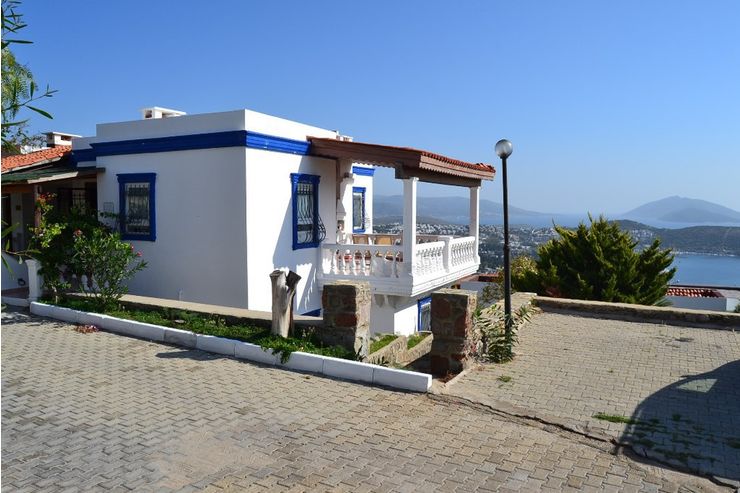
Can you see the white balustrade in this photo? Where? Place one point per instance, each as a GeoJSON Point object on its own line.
{"type": "Point", "coordinates": [462, 251]}
{"type": "Point", "coordinates": [434, 256]}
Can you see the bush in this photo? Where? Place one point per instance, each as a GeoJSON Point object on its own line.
{"type": "Point", "coordinates": [70, 246]}
{"type": "Point", "coordinates": [491, 342]}
{"type": "Point", "coordinates": [107, 262]}
{"type": "Point", "coordinates": [599, 262]}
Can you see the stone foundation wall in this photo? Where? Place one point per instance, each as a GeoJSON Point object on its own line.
{"type": "Point", "coordinates": [346, 312]}
{"type": "Point", "coordinates": [452, 326]}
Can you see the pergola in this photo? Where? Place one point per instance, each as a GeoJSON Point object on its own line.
{"type": "Point", "coordinates": [411, 166]}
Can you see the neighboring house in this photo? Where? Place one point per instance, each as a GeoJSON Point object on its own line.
{"type": "Point", "coordinates": [215, 202]}
{"type": "Point", "coordinates": [704, 298]}
{"type": "Point", "coordinates": [25, 177]}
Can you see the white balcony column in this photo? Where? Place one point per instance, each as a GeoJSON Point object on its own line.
{"type": "Point", "coordinates": [409, 222]}
{"type": "Point", "coordinates": [345, 180]}
{"type": "Point", "coordinates": [474, 225]}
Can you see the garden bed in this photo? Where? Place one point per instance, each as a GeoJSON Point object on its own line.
{"type": "Point", "coordinates": [214, 325]}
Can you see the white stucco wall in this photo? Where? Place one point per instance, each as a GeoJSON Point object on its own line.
{"type": "Point", "coordinates": [270, 224]}
{"type": "Point", "coordinates": [200, 250]}
{"type": "Point", "coordinates": [714, 304]}
{"type": "Point", "coordinates": [393, 314]}
{"type": "Point", "coordinates": [19, 271]}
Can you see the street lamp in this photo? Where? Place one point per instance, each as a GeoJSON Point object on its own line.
{"type": "Point", "coordinates": [504, 150]}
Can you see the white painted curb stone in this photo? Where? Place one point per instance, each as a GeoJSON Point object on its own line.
{"type": "Point", "coordinates": [253, 352]}
{"type": "Point", "coordinates": [402, 379]}
{"type": "Point", "coordinates": [65, 314]}
{"type": "Point", "coordinates": [314, 363]}
{"type": "Point", "coordinates": [135, 329]}
{"type": "Point", "coordinates": [41, 309]}
{"type": "Point", "coordinates": [215, 344]}
{"type": "Point", "coordinates": [179, 337]}
{"type": "Point", "coordinates": [95, 319]}
{"type": "Point", "coordinates": [351, 370]}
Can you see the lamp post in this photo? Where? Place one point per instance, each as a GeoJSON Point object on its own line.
{"type": "Point", "coordinates": [504, 150]}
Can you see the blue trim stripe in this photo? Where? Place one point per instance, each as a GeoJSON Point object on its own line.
{"type": "Point", "coordinates": [313, 313]}
{"type": "Point", "coordinates": [362, 171]}
{"type": "Point", "coordinates": [233, 138]}
{"type": "Point", "coordinates": [82, 155]}
{"type": "Point", "coordinates": [167, 144]}
{"type": "Point", "coordinates": [279, 144]}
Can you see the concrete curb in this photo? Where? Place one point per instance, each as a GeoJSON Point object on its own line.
{"type": "Point", "coordinates": [314, 363]}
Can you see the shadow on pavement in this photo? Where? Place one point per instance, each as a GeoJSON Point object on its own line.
{"type": "Point", "coordinates": [194, 354]}
{"type": "Point", "coordinates": [693, 423]}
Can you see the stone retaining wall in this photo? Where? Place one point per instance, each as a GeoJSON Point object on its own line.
{"type": "Point", "coordinates": [346, 311]}
{"type": "Point", "coordinates": [641, 313]}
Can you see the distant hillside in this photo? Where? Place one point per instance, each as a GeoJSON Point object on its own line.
{"type": "Point", "coordinates": [719, 240]}
{"type": "Point", "coordinates": [454, 210]}
{"type": "Point", "coordinates": [683, 210]}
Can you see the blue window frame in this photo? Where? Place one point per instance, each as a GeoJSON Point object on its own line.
{"type": "Point", "coordinates": [424, 319]}
{"type": "Point", "coordinates": [305, 200]}
{"type": "Point", "coordinates": [136, 203]}
{"type": "Point", "coordinates": [358, 209]}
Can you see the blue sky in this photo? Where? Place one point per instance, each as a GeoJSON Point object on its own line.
{"type": "Point", "coordinates": [608, 104]}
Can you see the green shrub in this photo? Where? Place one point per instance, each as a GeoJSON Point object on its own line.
{"type": "Point", "coordinates": [107, 261]}
{"type": "Point", "coordinates": [414, 340]}
{"type": "Point", "coordinates": [378, 344]}
{"type": "Point", "coordinates": [491, 341]}
{"type": "Point", "coordinates": [598, 262]}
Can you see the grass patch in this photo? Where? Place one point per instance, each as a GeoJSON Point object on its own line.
{"type": "Point", "coordinates": [414, 340]}
{"type": "Point", "coordinates": [504, 378]}
{"type": "Point", "coordinates": [216, 325]}
{"type": "Point", "coordinates": [676, 417]}
{"type": "Point", "coordinates": [615, 418]}
{"type": "Point", "coordinates": [379, 344]}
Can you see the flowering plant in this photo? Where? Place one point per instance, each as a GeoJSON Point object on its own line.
{"type": "Point", "coordinates": [108, 262]}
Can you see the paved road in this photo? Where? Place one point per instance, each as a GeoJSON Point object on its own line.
{"type": "Point", "coordinates": [100, 411]}
{"type": "Point", "coordinates": [680, 386]}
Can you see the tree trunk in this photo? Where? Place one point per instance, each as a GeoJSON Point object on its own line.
{"type": "Point", "coordinates": [284, 283]}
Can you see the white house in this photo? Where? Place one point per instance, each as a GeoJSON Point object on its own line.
{"type": "Point", "coordinates": [215, 202]}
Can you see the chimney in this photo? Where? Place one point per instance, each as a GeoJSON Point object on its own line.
{"type": "Point", "coordinates": [156, 112]}
{"type": "Point", "coordinates": [56, 139]}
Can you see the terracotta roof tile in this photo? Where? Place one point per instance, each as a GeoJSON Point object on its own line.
{"type": "Point", "coordinates": [37, 157]}
{"type": "Point", "coordinates": [693, 292]}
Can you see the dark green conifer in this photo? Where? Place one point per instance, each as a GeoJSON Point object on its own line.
{"type": "Point", "coordinates": [599, 262]}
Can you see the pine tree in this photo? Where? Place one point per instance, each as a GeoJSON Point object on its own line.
{"type": "Point", "coordinates": [599, 262]}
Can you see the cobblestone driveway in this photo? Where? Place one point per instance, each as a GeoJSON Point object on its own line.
{"type": "Point", "coordinates": [105, 412]}
{"type": "Point", "coordinates": [679, 387]}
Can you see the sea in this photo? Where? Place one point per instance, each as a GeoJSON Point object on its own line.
{"type": "Point", "coordinates": [707, 270]}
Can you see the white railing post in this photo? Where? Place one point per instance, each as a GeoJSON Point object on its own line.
{"type": "Point", "coordinates": [447, 254]}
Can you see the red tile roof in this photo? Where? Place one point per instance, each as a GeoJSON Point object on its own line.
{"type": "Point", "coordinates": [395, 157]}
{"type": "Point", "coordinates": [693, 292]}
{"type": "Point", "coordinates": [37, 157]}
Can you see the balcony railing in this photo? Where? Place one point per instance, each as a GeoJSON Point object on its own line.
{"type": "Point", "coordinates": [437, 260]}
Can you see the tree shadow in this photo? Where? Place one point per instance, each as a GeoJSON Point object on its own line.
{"type": "Point", "coordinates": [693, 423]}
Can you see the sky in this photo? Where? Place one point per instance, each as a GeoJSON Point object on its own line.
{"type": "Point", "coordinates": [608, 104]}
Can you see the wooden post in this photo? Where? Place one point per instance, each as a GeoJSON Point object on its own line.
{"type": "Point", "coordinates": [284, 283]}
